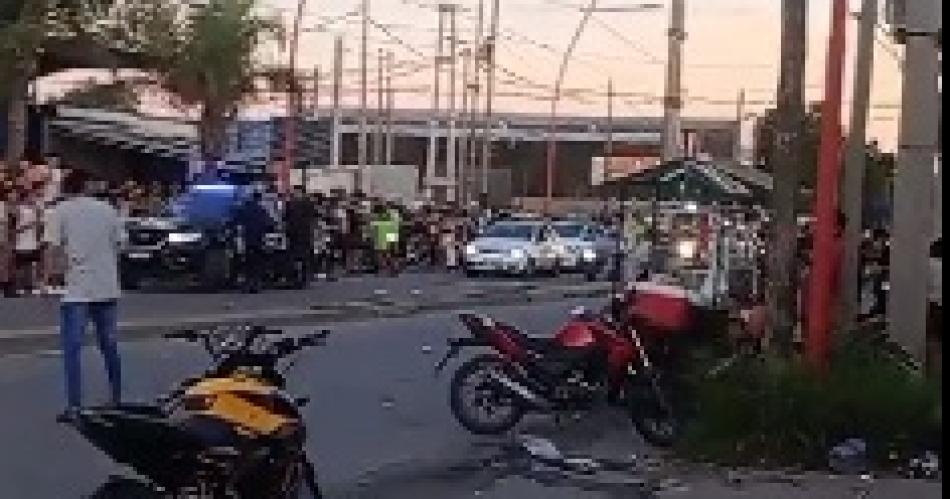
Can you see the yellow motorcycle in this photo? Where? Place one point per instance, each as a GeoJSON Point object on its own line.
{"type": "Point", "coordinates": [232, 432]}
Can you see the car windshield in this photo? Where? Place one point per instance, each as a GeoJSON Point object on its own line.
{"type": "Point", "coordinates": [569, 231]}
{"type": "Point", "coordinates": [511, 231]}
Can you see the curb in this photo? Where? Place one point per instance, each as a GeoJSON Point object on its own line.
{"type": "Point", "coordinates": [352, 310]}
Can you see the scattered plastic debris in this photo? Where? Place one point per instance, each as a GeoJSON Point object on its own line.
{"type": "Point", "coordinates": [926, 466]}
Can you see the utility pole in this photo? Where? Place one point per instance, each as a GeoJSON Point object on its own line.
{"type": "Point", "coordinates": [490, 90]}
{"type": "Point", "coordinates": [476, 97]}
{"type": "Point", "coordinates": [461, 186]}
{"type": "Point", "coordinates": [786, 159]}
{"type": "Point", "coordinates": [913, 186]}
{"type": "Point", "coordinates": [740, 118]}
{"type": "Point", "coordinates": [608, 159]}
{"type": "Point", "coordinates": [821, 296]}
{"type": "Point", "coordinates": [853, 203]}
{"type": "Point", "coordinates": [673, 98]}
{"type": "Point", "coordinates": [434, 120]}
{"type": "Point", "coordinates": [337, 80]}
{"type": "Point", "coordinates": [378, 135]}
{"type": "Point", "coordinates": [450, 148]}
{"type": "Point", "coordinates": [389, 108]}
{"type": "Point", "coordinates": [316, 90]}
{"type": "Point", "coordinates": [363, 77]}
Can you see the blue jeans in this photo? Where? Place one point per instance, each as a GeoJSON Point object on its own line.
{"type": "Point", "coordinates": [73, 319]}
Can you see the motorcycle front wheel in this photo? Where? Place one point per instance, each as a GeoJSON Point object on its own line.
{"type": "Point", "coordinates": [652, 411]}
{"type": "Point", "coordinates": [477, 403]}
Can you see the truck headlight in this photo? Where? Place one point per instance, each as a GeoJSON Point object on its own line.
{"type": "Point", "coordinates": [184, 237]}
{"type": "Point", "coordinates": [517, 253]}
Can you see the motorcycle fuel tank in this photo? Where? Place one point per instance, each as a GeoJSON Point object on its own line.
{"type": "Point", "coordinates": [577, 333]}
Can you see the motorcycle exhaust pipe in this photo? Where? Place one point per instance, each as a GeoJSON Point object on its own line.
{"type": "Point", "coordinates": [518, 390]}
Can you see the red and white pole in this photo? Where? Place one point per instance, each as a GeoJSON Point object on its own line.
{"type": "Point", "coordinates": [825, 250]}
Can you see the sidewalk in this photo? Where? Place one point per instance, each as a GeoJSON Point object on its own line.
{"type": "Point", "coordinates": [812, 486]}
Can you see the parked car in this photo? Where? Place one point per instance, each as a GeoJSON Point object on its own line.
{"type": "Point", "coordinates": [519, 247]}
{"type": "Point", "coordinates": [588, 246]}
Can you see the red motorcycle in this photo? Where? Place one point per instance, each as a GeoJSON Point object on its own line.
{"type": "Point", "coordinates": [593, 357]}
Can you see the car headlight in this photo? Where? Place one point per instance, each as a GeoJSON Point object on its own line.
{"type": "Point", "coordinates": [184, 237]}
{"type": "Point", "coordinates": [517, 253]}
{"type": "Point", "coordinates": [471, 250]}
{"type": "Point", "coordinates": [686, 248]}
{"type": "Point", "coordinates": [588, 255]}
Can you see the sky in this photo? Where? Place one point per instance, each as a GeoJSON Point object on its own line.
{"type": "Point", "coordinates": [731, 45]}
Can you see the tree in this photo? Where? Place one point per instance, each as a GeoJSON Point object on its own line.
{"type": "Point", "coordinates": [765, 148]}
{"type": "Point", "coordinates": [205, 57]}
{"type": "Point", "coordinates": [40, 37]}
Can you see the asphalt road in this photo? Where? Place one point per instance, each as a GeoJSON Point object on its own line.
{"type": "Point", "coordinates": [30, 324]}
{"type": "Point", "coordinates": [379, 421]}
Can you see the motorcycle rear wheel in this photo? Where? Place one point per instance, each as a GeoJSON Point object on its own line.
{"type": "Point", "coordinates": [482, 420]}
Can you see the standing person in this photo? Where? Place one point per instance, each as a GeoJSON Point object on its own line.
{"type": "Point", "coordinates": [300, 217]}
{"type": "Point", "coordinates": [90, 232]}
{"type": "Point", "coordinates": [7, 221]}
{"type": "Point", "coordinates": [254, 223]}
{"type": "Point", "coordinates": [28, 229]}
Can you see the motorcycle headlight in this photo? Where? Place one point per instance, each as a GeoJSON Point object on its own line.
{"type": "Point", "coordinates": [517, 253]}
{"type": "Point", "coordinates": [686, 248]}
{"type": "Point", "coordinates": [184, 237]}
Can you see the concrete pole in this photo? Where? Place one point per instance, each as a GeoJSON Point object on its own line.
{"type": "Point", "coordinates": [476, 97]}
{"type": "Point", "coordinates": [450, 147]}
{"type": "Point", "coordinates": [363, 101]}
{"type": "Point", "coordinates": [489, 95]}
{"type": "Point", "coordinates": [913, 184]}
{"type": "Point", "coordinates": [673, 98]}
{"type": "Point", "coordinates": [853, 202]}
{"type": "Point", "coordinates": [378, 135]}
{"type": "Point", "coordinates": [316, 90]}
{"type": "Point", "coordinates": [461, 184]}
{"type": "Point", "coordinates": [608, 159]}
{"type": "Point", "coordinates": [740, 118]}
{"type": "Point", "coordinates": [389, 109]}
{"type": "Point", "coordinates": [434, 120]}
{"type": "Point", "coordinates": [337, 80]}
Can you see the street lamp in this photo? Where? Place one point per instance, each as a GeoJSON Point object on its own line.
{"type": "Point", "coordinates": [562, 70]}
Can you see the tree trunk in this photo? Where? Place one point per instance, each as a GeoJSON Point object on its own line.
{"type": "Point", "coordinates": [787, 159]}
{"type": "Point", "coordinates": [212, 131]}
{"type": "Point", "coordinates": [17, 116]}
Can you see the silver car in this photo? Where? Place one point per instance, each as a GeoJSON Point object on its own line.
{"type": "Point", "coordinates": [588, 247]}
{"type": "Point", "coordinates": [516, 247]}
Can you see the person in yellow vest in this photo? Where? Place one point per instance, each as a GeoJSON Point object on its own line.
{"type": "Point", "coordinates": [385, 236]}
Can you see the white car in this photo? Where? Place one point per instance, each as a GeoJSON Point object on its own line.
{"type": "Point", "coordinates": [588, 247]}
{"type": "Point", "coordinates": [518, 247]}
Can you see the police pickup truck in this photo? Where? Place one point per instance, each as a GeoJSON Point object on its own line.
{"type": "Point", "coordinates": [195, 239]}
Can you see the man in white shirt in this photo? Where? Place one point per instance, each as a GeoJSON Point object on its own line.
{"type": "Point", "coordinates": [90, 232]}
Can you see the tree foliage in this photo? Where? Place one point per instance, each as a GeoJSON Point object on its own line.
{"type": "Point", "coordinates": [204, 56]}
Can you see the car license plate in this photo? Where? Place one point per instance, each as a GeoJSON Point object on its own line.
{"type": "Point", "coordinates": [140, 256]}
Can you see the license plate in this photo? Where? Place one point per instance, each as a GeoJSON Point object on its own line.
{"type": "Point", "coordinates": [139, 256]}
